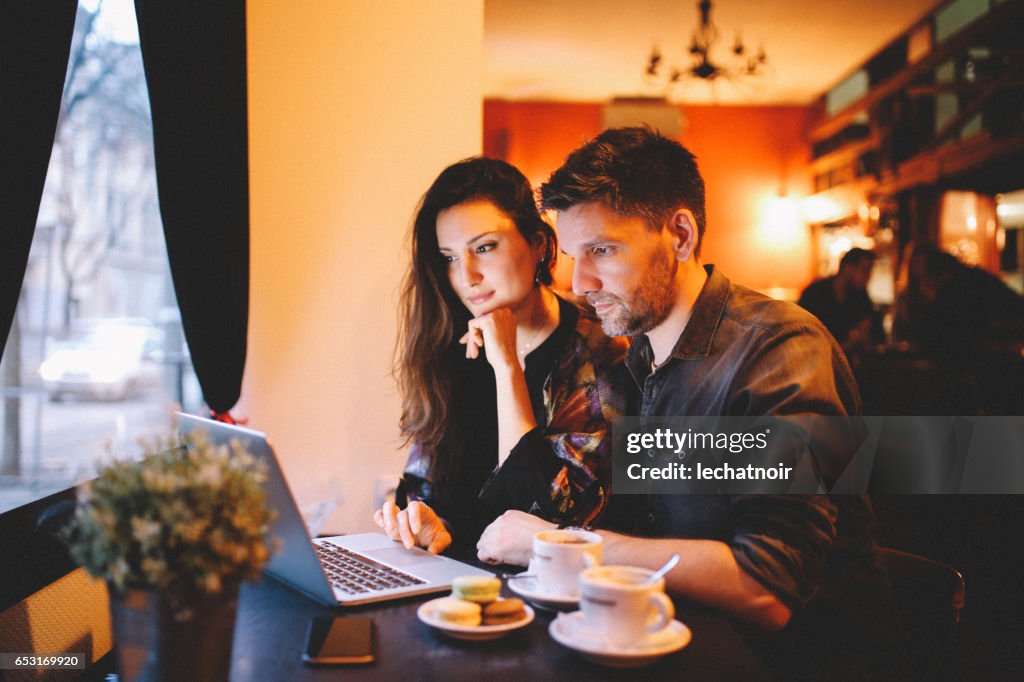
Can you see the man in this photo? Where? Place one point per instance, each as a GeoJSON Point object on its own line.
{"type": "Point", "coordinates": [841, 301]}
{"type": "Point", "coordinates": [630, 211]}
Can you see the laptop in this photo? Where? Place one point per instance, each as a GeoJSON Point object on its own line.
{"type": "Point", "coordinates": [344, 570]}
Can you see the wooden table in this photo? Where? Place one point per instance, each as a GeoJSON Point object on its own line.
{"type": "Point", "coordinates": [272, 621]}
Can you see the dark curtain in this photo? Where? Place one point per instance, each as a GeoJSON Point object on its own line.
{"type": "Point", "coordinates": [194, 55]}
{"type": "Point", "coordinates": [35, 41]}
{"type": "Point", "coordinates": [194, 52]}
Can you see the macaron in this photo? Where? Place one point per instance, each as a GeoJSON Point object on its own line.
{"type": "Point", "coordinates": [457, 611]}
{"type": "Point", "coordinates": [476, 588]}
{"type": "Point", "coordinates": [504, 611]}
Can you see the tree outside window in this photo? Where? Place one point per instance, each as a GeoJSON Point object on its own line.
{"type": "Point", "coordinates": [96, 355]}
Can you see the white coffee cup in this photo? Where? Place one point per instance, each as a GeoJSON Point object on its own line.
{"type": "Point", "coordinates": [619, 604]}
{"type": "Point", "coordinates": [560, 555]}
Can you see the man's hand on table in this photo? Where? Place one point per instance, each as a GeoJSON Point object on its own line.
{"type": "Point", "coordinates": [509, 539]}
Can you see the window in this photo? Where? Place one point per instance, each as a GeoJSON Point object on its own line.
{"type": "Point", "coordinates": [96, 355]}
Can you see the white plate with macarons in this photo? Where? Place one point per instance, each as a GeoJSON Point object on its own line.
{"type": "Point", "coordinates": [448, 615]}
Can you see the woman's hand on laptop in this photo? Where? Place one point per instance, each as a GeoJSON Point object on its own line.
{"type": "Point", "coordinates": [415, 526]}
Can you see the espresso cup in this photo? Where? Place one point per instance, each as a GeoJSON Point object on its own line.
{"type": "Point", "coordinates": [619, 604]}
{"type": "Point", "coordinates": [560, 555]}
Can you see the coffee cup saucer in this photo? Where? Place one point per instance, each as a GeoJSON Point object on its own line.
{"type": "Point", "coordinates": [529, 589]}
{"type": "Point", "coordinates": [571, 630]}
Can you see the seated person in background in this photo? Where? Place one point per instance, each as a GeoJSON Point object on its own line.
{"type": "Point", "coordinates": [970, 325]}
{"type": "Point", "coordinates": [949, 308]}
{"type": "Point", "coordinates": [507, 389]}
{"type": "Point", "coordinates": [842, 303]}
{"type": "Point", "coordinates": [631, 213]}
{"type": "Point", "coordinates": [908, 308]}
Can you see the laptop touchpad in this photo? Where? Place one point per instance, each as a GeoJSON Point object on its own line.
{"type": "Point", "coordinates": [400, 556]}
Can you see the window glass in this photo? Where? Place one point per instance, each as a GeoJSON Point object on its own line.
{"type": "Point", "coordinates": [854, 87]}
{"type": "Point", "coordinates": [96, 356]}
{"type": "Point", "coordinates": [956, 15]}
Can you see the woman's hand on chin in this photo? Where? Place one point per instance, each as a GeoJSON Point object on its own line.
{"type": "Point", "coordinates": [496, 331]}
{"type": "Point", "coordinates": [415, 526]}
{"type": "Point", "coordinates": [509, 538]}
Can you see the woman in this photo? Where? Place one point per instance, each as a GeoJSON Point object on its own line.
{"type": "Point", "coordinates": [507, 389]}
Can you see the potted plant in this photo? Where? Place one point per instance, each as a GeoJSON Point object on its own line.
{"type": "Point", "coordinates": [174, 535]}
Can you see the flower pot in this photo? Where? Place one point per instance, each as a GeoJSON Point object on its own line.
{"type": "Point", "coordinates": [156, 642]}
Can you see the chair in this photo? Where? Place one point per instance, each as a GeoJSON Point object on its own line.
{"type": "Point", "coordinates": [71, 615]}
{"type": "Point", "coordinates": [929, 595]}
{"type": "Point", "coordinates": [46, 604]}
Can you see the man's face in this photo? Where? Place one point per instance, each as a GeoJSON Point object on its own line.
{"type": "Point", "coordinates": [860, 274]}
{"type": "Point", "coordinates": [626, 271]}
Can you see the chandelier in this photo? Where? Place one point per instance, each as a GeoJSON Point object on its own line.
{"type": "Point", "coordinates": [702, 66]}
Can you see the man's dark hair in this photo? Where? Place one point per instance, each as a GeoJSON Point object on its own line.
{"type": "Point", "coordinates": [856, 256]}
{"type": "Point", "coordinates": [635, 172]}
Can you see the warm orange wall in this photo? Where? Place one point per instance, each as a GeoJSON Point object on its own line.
{"type": "Point", "coordinates": [354, 107]}
{"type": "Point", "coordinates": [536, 136]}
{"type": "Point", "coordinates": [748, 155]}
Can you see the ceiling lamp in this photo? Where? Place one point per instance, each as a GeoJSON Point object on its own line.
{"type": "Point", "coordinates": [702, 66]}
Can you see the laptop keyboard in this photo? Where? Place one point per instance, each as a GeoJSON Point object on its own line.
{"type": "Point", "coordinates": [356, 574]}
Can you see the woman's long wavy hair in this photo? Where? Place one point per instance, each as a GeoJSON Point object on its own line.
{"type": "Point", "coordinates": [432, 317]}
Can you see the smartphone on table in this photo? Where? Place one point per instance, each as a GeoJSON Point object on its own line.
{"type": "Point", "coordinates": [339, 640]}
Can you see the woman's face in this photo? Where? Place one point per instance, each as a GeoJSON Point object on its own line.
{"type": "Point", "coordinates": [490, 264]}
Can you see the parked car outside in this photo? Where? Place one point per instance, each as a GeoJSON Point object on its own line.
{"type": "Point", "coordinates": [103, 359]}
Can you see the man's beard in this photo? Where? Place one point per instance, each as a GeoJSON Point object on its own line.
{"type": "Point", "coordinates": [647, 305]}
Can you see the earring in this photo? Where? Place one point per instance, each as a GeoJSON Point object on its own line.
{"type": "Point", "coordinates": [539, 272]}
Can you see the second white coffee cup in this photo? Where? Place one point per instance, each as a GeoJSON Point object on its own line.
{"type": "Point", "coordinates": [560, 555]}
{"type": "Point", "coordinates": [619, 603]}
